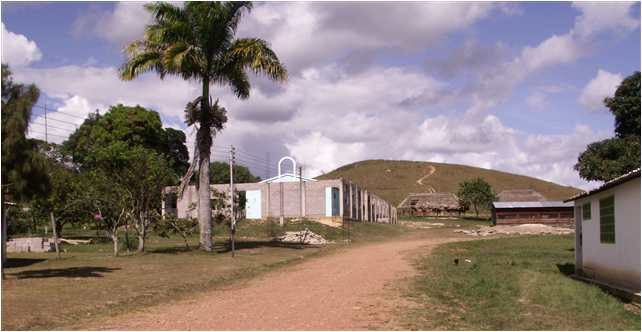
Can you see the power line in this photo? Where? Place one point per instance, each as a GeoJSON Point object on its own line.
{"type": "Point", "coordinates": [50, 126]}
{"type": "Point", "coordinates": [63, 121]}
{"type": "Point", "coordinates": [75, 116]}
{"type": "Point", "coordinates": [43, 134]}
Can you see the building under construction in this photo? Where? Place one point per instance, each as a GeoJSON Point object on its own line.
{"type": "Point", "coordinates": [290, 195]}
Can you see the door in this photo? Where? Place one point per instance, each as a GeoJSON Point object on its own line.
{"type": "Point", "coordinates": [331, 201]}
{"type": "Point", "coordinates": [253, 204]}
{"type": "Point", "coordinates": [578, 238]}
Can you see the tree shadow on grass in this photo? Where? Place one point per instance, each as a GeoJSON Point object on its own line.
{"type": "Point", "coordinates": [70, 272]}
{"type": "Point", "coordinates": [566, 269]}
{"type": "Point", "coordinates": [240, 245]}
{"type": "Point", "coordinates": [22, 262]}
{"type": "Point", "coordinates": [222, 247]}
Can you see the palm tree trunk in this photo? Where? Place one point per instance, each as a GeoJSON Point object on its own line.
{"type": "Point", "coordinates": [204, 139]}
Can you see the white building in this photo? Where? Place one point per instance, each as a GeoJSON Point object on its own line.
{"type": "Point", "coordinates": [607, 243]}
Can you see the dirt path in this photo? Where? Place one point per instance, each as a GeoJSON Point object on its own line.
{"type": "Point", "coordinates": [430, 172]}
{"type": "Point", "coordinates": [352, 289]}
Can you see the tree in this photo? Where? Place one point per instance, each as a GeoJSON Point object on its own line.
{"type": "Point", "coordinates": [111, 136]}
{"type": "Point", "coordinates": [142, 180]}
{"type": "Point", "coordinates": [23, 168]}
{"type": "Point", "coordinates": [220, 173]}
{"type": "Point", "coordinates": [613, 157]}
{"type": "Point", "coordinates": [24, 173]}
{"type": "Point", "coordinates": [476, 193]}
{"type": "Point", "coordinates": [106, 202]}
{"type": "Point", "coordinates": [177, 149]}
{"type": "Point", "coordinates": [197, 42]}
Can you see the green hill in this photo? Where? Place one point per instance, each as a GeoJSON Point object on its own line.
{"type": "Point", "coordinates": [394, 179]}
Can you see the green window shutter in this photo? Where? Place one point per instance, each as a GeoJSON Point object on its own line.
{"type": "Point", "coordinates": [586, 211]}
{"type": "Point", "coordinates": [607, 220]}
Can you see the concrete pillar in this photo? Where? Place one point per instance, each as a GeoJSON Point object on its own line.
{"type": "Point", "coordinates": [365, 206]}
{"type": "Point", "coordinates": [305, 190]}
{"type": "Point", "coordinates": [351, 201]}
{"type": "Point", "coordinates": [341, 199]}
{"type": "Point", "coordinates": [267, 202]}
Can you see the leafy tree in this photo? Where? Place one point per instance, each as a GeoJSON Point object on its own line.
{"type": "Point", "coordinates": [23, 168]}
{"type": "Point", "coordinates": [109, 137]}
{"type": "Point", "coordinates": [220, 173]}
{"type": "Point", "coordinates": [610, 158]}
{"type": "Point", "coordinates": [65, 201]}
{"type": "Point", "coordinates": [625, 106]}
{"type": "Point", "coordinates": [476, 193]}
{"type": "Point", "coordinates": [142, 181]}
{"type": "Point", "coordinates": [197, 42]}
{"type": "Point", "coordinates": [177, 149]}
{"type": "Point", "coordinates": [107, 202]}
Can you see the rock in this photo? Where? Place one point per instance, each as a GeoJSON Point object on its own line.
{"type": "Point", "coordinates": [303, 237]}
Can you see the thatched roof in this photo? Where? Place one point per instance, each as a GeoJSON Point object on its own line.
{"type": "Point", "coordinates": [520, 195]}
{"type": "Point", "coordinates": [430, 201]}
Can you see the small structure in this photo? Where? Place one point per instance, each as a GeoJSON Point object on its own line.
{"type": "Point", "coordinates": [290, 195]}
{"type": "Point", "coordinates": [30, 244]}
{"type": "Point", "coordinates": [430, 205]}
{"type": "Point", "coordinates": [607, 226]}
{"type": "Point", "coordinates": [520, 195]}
{"type": "Point", "coordinates": [539, 212]}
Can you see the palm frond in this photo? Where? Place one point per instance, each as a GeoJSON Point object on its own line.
{"type": "Point", "coordinates": [256, 55]}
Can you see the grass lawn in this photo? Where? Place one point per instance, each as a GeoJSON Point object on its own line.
{"type": "Point", "coordinates": [42, 292]}
{"type": "Point", "coordinates": [517, 283]}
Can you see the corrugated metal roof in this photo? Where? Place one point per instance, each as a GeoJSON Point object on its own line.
{"type": "Point", "coordinates": [538, 204]}
{"type": "Point", "coordinates": [609, 184]}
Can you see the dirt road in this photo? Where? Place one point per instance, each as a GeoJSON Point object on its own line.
{"type": "Point", "coordinates": [352, 289]}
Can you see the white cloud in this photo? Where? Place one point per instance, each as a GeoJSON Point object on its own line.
{"type": "Point", "coordinates": [125, 23]}
{"type": "Point", "coordinates": [18, 50]}
{"type": "Point", "coordinates": [601, 86]}
{"type": "Point", "coordinates": [60, 122]}
{"type": "Point", "coordinates": [101, 86]}
{"type": "Point", "coordinates": [602, 16]}
{"type": "Point", "coordinates": [340, 29]}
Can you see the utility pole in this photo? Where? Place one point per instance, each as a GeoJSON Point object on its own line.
{"type": "Point", "coordinates": [267, 165]}
{"type": "Point", "coordinates": [46, 136]}
{"type": "Point", "coordinates": [232, 212]}
{"type": "Point", "coordinates": [301, 207]}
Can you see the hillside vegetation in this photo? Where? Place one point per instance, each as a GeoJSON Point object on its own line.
{"type": "Point", "coordinates": [394, 179]}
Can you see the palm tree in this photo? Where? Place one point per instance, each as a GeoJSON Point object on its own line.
{"type": "Point", "coordinates": [196, 42]}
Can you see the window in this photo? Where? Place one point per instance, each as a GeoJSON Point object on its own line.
{"type": "Point", "coordinates": [607, 220]}
{"type": "Point", "coordinates": [586, 211]}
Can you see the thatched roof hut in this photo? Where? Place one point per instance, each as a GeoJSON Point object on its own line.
{"type": "Point", "coordinates": [431, 201]}
{"type": "Point", "coordinates": [520, 195]}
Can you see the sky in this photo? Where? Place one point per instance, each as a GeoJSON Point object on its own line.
{"type": "Point", "coordinates": [516, 87]}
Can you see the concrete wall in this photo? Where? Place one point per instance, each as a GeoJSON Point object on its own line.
{"type": "Point", "coordinates": [296, 199]}
{"type": "Point", "coordinates": [614, 263]}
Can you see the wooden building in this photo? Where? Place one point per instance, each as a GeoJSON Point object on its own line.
{"type": "Point", "coordinates": [430, 205]}
{"type": "Point", "coordinates": [538, 212]}
{"type": "Point", "coordinates": [520, 195]}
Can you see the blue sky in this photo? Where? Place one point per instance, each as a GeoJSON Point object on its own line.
{"type": "Point", "coordinates": [510, 86]}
